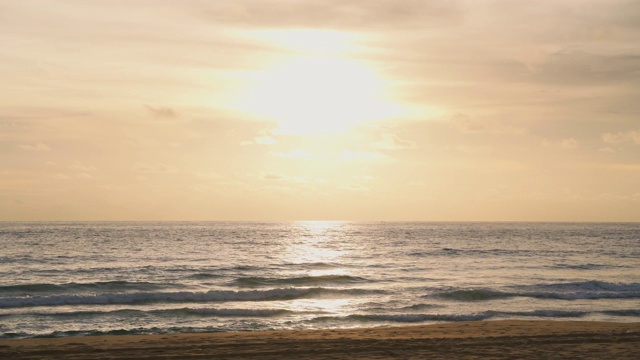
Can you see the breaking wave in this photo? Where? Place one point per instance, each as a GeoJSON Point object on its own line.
{"type": "Point", "coordinates": [299, 281]}
{"type": "Point", "coordinates": [179, 297]}
{"type": "Point", "coordinates": [101, 286]}
{"type": "Point", "coordinates": [561, 291]}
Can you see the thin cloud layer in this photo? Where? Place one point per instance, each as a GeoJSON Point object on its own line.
{"type": "Point", "coordinates": [273, 110]}
{"type": "Point", "coordinates": [377, 15]}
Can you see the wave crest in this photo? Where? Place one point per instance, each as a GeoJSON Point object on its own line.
{"type": "Point", "coordinates": [178, 297]}
{"type": "Point", "coordinates": [113, 286]}
{"type": "Point", "coordinates": [475, 295]}
{"type": "Point", "coordinates": [561, 291]}
{"type": "Point", "coordinates": [301, 280]}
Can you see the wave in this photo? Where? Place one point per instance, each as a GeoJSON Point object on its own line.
{"type": "Point", "coordinates": [301, 280]}
{"type": "Point", "coordinates": [179, 297]}
{"type": "Point", "coordinates": [206, 312]}
{"type": "Point", "coordinates": [591, 285]}
{"type": "Point", "coordinates": [583, 290]}
{"type": "Point", "coordinates": [474, 295]}
{"type": "Point", "coordinates": [450, 252]}
{"type": "Point", "coordinates": [134, 331]}
{"type": "Point", "coordinates": [276, 312]}
{"type": "Point", "coordinates": [315, 265]}
{"type": "Point", "coordinates": [412, 318]}
{"type": "Point", "coordinates": [215, 273]}
{"type": "Point", "coordinates": [391, 306]}
{"type": "Point", "coordinates": [416, 307]}
{"type": "Point", "coordinates": [627, 312]}
{"type": "Point", "coordinates": [322, 321]}
{"type": "Point", "coordinates": [179, 312]}
{"type": "Point", "coordinates": [28, 289]}
{"type": "Point", "coordinates": [585, 266]}
{"type": "Point", "coordinates": [204, 275]}
{"type": "Point", "coordinates": [17, 259]}
{"type": "Point", "coordinates": [419, 318]}
{"type": "Point", "coordinates": [565, 313]}
{"type": "Point", "coordinates": [74, 333]}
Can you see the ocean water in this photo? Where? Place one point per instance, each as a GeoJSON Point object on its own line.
{"type": "Point", "coordinates": [66, 279]}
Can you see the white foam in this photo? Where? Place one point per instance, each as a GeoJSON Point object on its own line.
{"type": "Point", "coordinates": [141, 297]}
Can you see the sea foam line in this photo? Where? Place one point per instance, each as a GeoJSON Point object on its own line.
{"type": "Point", "coordinates": [300, 280]}
{"type": "Point", "coordinates": [177, 297]}
{"type": "Point", "coordinates": [23, 289]}
{"type": "Point", "coordinates": [181, 312]}
{"type": "Point", "coordinates": [484, 315]}
{"type": "Point", "coordinates": [584, 290]}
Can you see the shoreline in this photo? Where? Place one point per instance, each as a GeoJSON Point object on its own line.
{"type": "Point", "coordinates": [496, 339]}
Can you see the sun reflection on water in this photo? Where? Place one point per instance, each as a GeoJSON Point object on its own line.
{"type": "Point", "coordinates": [315, 244]}
{"type": "Point", "coordinates": [320, 226]}
{"type": "Point", "coordinates": [318, 252]}
{"type": "Point", "coordinates": [329, 306]}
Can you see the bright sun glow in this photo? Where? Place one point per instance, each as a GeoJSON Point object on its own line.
{"type": "Point", "coordinates": [311, 40]}
{"type": "Point", "coordinates": [318, 88]}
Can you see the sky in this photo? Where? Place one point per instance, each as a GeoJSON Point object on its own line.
{"type": "Point", "coordinates": [269, 110]}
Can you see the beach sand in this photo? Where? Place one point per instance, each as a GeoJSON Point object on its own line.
{"type": "Point", "coordinates": [508, 339]}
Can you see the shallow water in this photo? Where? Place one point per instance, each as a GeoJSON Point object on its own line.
{"type": "Point", "coordinates": [61, 279]}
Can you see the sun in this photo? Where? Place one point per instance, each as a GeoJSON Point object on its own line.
{"type": "Point", "coordinates": [318, 88]}
{"type": "Point", "coordinates": [317, 94]}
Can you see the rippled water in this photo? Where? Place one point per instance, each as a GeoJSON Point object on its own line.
{"type": "Point", "coordinates": [61, 279]}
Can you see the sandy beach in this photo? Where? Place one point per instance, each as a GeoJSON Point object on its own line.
{"type": "Point", "coordinates": [469, 340]}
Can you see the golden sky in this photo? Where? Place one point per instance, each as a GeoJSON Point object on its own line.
{"type": "Point", "coordinates": [332, 110]}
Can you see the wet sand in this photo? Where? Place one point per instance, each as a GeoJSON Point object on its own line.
{"type": "Point", "coordinates": [508, 339]}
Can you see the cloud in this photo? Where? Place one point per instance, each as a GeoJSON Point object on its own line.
{"type": "Point", "coordinates": [631, 167]}
{"type": "Point", "coordinates": [465, 123]}
{"type": "Point", "coordinates": [19, 114]}
{"type": "Point", "coordinates": [416, 183]}
{"type": "Point", "coordinates": [203, 175]}
{"type": "Point", "coordinates": [621, 137]}
{"type": "Point", "coordinates": [162, 112]}
{"type": "Point", "coordinates": [569, 143]}
{"type": "Point", "coordinates": [9, 129]}
{"type": "Point", "coordinates": [272, 176]}
{"type": "Point", "coordinates": [79, 175]}
{"type": "Point", "coordinates": [362, 155]}
{"type": "Point", "coordinates": [35, 147]}
{"type": "Point", "coordinates": [84, 175]}
{"type": "Point", "coordinates": [265, 140]}
{"type": "Point", "coordinates": [260, 140]}
{"type": "Point", "coordinates": [77, 166]}
{"type": "Point", "coordinates": [617, 197]}
{"type": "Point", "coordinates": [153, 168]}
{"type": "Point", "coordinates": [61, 176]}
{"type": "Point", "coordinates": [333, 14]}
{"type": "Point", "coordinates": [581, 67]}
{"type": "Point", "coordinates": [294, 154]}
{"type": "Point", "coordinates": [471, 149]}
{"type": "Point", "coordinates": [113, 187]}
{"type": "Point", "coordinates": [355, 187]}
{"type": "Point", "coordinates": [393, 142]}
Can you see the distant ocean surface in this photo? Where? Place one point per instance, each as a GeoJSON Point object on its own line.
{"type": "Point", "coordinates": [68, 279]}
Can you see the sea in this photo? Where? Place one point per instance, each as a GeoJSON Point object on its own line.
{"type": "Point", "coordinates": [61, 279]}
